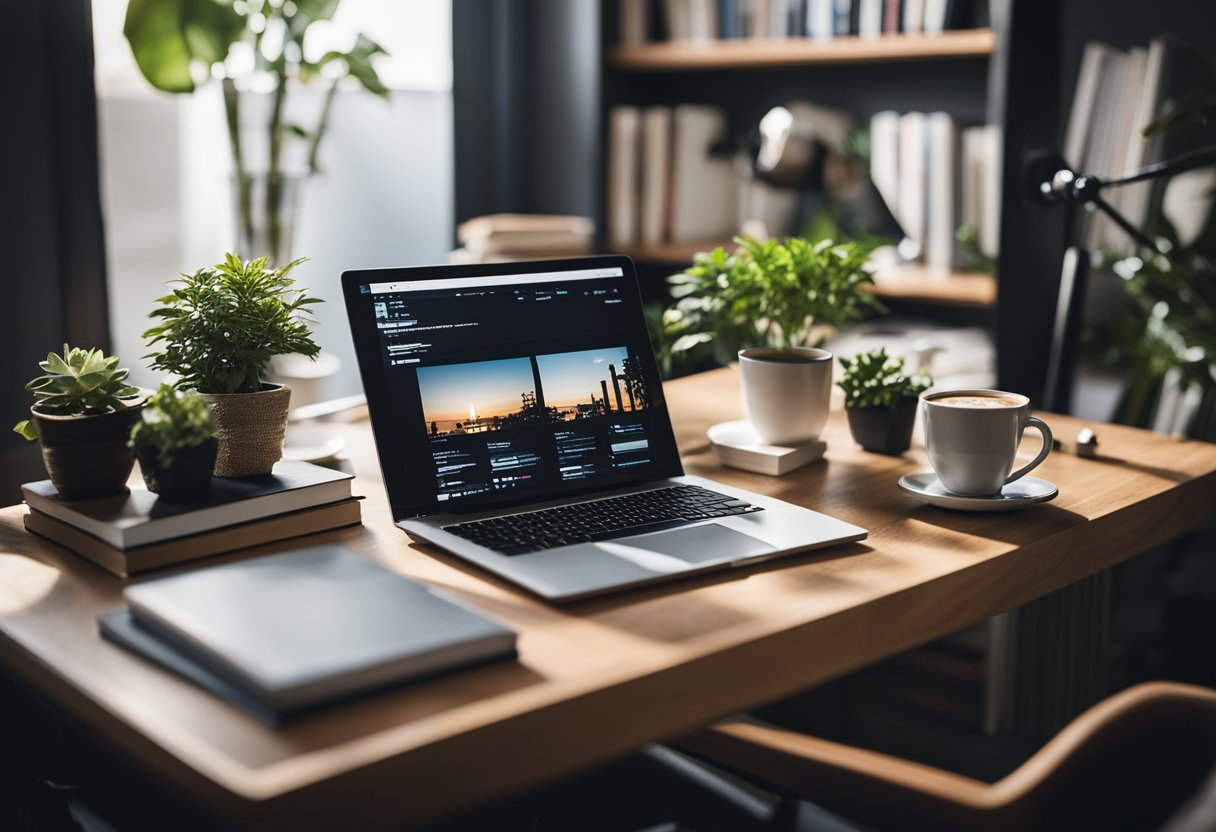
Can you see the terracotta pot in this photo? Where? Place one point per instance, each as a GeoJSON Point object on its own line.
{"type": "Point", "coordinates": [249, 429]}
{"type": "Point", "coordinates": [883, 430]}
{"type": "Point", "coordinates": [188, 476]}
{"type": "Point", "coordinates": [87, 456]}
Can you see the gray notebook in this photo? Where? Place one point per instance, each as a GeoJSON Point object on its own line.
{"type": "Point", "coordinates": [295, 630]}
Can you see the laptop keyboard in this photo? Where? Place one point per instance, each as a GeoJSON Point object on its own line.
{"type": "Point", "coordinates": [645, 511]}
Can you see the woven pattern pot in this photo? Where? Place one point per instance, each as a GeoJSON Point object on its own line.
{"type": "Point", "coordinates": [249, 430]}
{"type": "Point", "coordinates": [87, 456]}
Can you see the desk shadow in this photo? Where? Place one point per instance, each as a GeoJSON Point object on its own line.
{"type": "Point", "coordinates": [389, 709]}
{"type": "Point", "coordinates": [666, 612]}
{"type": "Point", "coordinates": [1151, 470]}
{"type": "Point", "coordinates": [1006, 526]}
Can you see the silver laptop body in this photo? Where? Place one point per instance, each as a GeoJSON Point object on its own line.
{"type": "Point", "coordinates": [445, 467]}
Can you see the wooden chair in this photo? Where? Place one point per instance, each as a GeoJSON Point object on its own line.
{"type": "Point", "coordinates": [1127, 763]}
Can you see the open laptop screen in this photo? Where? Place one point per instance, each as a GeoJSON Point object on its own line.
{"type": "Point", "coordinates": [519, 382]}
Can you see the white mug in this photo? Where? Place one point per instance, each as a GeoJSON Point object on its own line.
{"type": "Point", "coordinates": [786, 392]}
{"type": "Point", "coordinates": [972, 446]}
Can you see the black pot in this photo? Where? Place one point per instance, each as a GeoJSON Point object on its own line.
{"type": "Point", "coordinates": [87, 456]}
{"type": "Point", "coordinates": [189, 475]}
{"type": "Point", "coordinates": [883, 430]}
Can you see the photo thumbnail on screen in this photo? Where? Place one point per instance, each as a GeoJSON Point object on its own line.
{"type": "Point", "coordinates": [479, 397]}
{"type": "Point", "coordinates": [590, 383]}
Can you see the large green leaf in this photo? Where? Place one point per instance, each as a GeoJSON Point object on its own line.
{"type": "Point", "coordinates": [166, 36]}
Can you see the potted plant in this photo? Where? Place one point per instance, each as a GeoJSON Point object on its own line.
{"type": "Point", "coordinates": [83, 410]}
{"type": "Point", "coordinates": [767, 294]}
{"type": "Point", "coordinates": [880, 400]}
{"type": "Point", "coordinates": [217, 333]}
{"type": "Point", "coordinates": [174, 441]}
{"type": "Point", "coordinates": [243, 44]}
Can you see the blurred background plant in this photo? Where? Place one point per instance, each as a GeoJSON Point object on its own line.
{"type": "Point", "coordinates": [252, 46]}
{"type": "Point", "coordinates": [766, 294]}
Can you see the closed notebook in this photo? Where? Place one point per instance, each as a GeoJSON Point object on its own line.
{"type": "Point", "coordinates": [141, 517]}
{"type": "Point", "coordinates": [297, 630]}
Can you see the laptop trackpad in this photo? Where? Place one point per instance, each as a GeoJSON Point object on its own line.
{"type": "Point", "coordinates": [669, 551]}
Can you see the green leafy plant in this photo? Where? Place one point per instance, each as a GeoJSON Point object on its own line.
{"type": "Point", "coordinates": [222, 324]}
{"type": "Point", "coordinates": [178, 45]}
{"type": "Point", "coordinates": [78, 383]}
{"type": "Point", "coordinates": [875, 379]}
{"type": "Point", "coordinates": [768, 294]}
{"type": "Point", "coordinates": [173, 420]}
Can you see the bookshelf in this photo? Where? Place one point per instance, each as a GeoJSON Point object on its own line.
{"type": "Point", "coordinates": [727, 55]}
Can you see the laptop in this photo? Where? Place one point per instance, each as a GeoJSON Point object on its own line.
{"type": "Point", "coordinates": [521, 426]}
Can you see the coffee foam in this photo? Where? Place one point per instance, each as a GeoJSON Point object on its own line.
{"type": "Point", "coordinates": [975, 401]}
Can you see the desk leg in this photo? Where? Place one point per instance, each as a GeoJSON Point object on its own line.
{"type": "Point", "coordinates": [1048, 660]}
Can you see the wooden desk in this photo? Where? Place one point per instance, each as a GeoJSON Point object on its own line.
{"type": "Point", "coordinates": [599, 678]}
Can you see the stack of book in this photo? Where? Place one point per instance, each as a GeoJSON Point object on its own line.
{"type": "Point", "coordinates": [668, 178]}
{"type": "Point", "coordinates": [936, 177]}
{"type": "Point", "coordinates": [139, 531]}
{"type": "Point", "coordinates": [1117, 95]}
{"type": "Point", "coordinates": [503, 237]}
{"type": "Point", "coordinates": [702, 20]}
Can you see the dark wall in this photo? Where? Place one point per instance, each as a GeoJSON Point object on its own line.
{"type": "Point", "coordinates": [50, 214]}
{"type": "Point", "coordinates": [525, 89]}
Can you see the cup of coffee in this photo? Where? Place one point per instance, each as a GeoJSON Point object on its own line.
{"type": "Point", "coordinates": [973, 435]}
{"type": "Point", "coordinates": [786, 392]}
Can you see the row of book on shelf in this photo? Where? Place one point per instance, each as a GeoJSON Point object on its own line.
{"type": "Point", "coordinates": [1118, 94]}
{"type": "Point", "coordinates": [672, 178]}
{"type": "Point", "coordinates": [701, 20]}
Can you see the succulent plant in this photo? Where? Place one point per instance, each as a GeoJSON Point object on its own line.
{"type": "Point", "coordinates": [172, 421]}
{"type": "Point", "coordinates": [875, 379]}
{"type": "Point", "coordinates": [78, 383]}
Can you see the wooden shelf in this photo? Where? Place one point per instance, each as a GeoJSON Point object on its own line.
{"type": "Point", "coordinates": [673, 254]}
{"type": "Point", "coordinates": [681, 56]}
{"type": "Point", "coordinates": [918, 284]}
{"type": "Point", "coordinates": [915, 284]}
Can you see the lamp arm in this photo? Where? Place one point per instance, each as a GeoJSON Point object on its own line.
{"type": "Point", "coordinates": [1187, 161]}
{"type": "Point", "coordinates": [1129, 229]}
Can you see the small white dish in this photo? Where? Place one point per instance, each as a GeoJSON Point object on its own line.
{"type": "Point", "coordinates": [1018, 494]}
{"type": "Point", "coordinates": [311, 443]}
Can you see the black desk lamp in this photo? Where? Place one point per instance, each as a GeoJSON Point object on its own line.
{"type": "Point", "coordinates": [1049, 180]}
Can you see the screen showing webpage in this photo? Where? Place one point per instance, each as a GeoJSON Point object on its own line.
{"type": "Point", "coordinates": [520, 385]}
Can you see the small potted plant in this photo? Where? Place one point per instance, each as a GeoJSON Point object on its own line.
{"type": "Point", "coordinates": [217, 334]}
{"type": "Point", "coordinates": [174, 441]}
{"type": "Point", "coordinates": [83, 410]}
{"type": "Point", "coordinates": [880, 400]}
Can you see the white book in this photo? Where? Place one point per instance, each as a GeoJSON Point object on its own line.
{"type": "Point", "coordinates": [656, 174]}
{"type": "Point", "coordinates": [819, 19]}
{"type": "Point", "coordinates": [703, 193]}
{"type": "Point", "coordinates": [911, 214]}
{"type": "Point", "coordinates": [1083, 101]}
{"type": "Point", "coordinates": [702, 20]}
{"type": "Point", "coordinates": [295, 630]}
{"type": "Point", "coordinates": [1099, 147]}
{"type": "Point", "coordinates": [737, 445]}
{"type": "Point", "coordinates": [914, 16]}
{"type": "Point", "coordinates": [1141, 149]}
{"type": "Point", "coordinates": [624, 138]}
{"type": "Point", "coordinates": [935, 16]}
{"type": "Point", "coordinates": [942, 220]}
{"type": "Point", "coordinates": [884, 158]}
{"type": "Point", "coordinates": [1126, 138]}
{"type": "Point", "coordinates": [992, 149]}
{"type": "Point", "coordinates": [869, 18]}
{"type": "Point", "coordinates": [779, 18]}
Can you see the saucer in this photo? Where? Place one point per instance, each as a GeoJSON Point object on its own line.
{"type": "Point", "coordinates": [311, 443]}
{"type": "Point", "coordinates": [1020, 493]}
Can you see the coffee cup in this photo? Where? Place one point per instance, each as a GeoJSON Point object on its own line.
{"type": "Point", "coordinates": [972, 437]}
{"type": "Point", "coordinates": [786, 392]}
